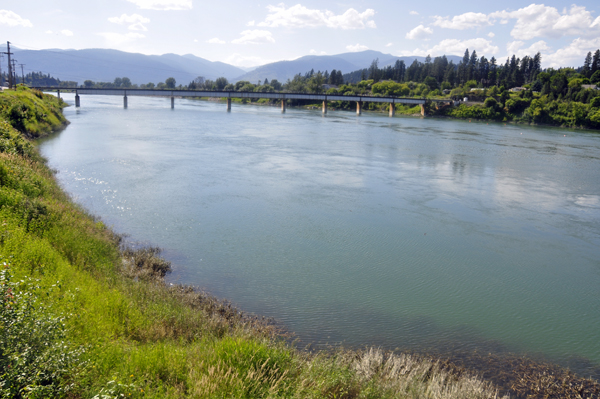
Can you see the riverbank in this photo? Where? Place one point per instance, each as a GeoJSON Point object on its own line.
{"type": "Point", "coordinates": [125, 331]}
{"type": "Point", "coordinates": [536, 110]}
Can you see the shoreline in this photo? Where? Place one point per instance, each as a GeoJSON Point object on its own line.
{"type": "Point", "coordinates": [416, 115]}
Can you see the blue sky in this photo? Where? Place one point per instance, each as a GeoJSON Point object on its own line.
{"type": "Point", "coordinates": [251, 33]}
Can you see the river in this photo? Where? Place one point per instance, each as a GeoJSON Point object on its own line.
{"type": "Point", "coordinates": [409, 233]}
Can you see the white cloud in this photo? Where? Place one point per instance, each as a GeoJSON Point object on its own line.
{"type": "Point", "coordinates": [463, 21]}
{"type": "Point", "coordinates": [356, 47]}
{"type": "Point", "coordinates": [136, 21]}
{"type": "Point", "coordinates": [491, 34]}
{"type": "Point", "coordinates": [117, 39]}
{"type": "Point", "coordinates": [538, 20]}
{"type": "Point", "coordinates": [389, 45]}
{"type": "Point", "coordinates": [537, 47]}
{"type": "Point", "coordinates": [11, 19]}
{"type": "Point", "coordinates": [315, 52]}
{"type": "Point", "coordinates": [455, 46]}
{"type": "Point", "coordinates": [512, 47]}
{"type": "Point", "coordinates": [299, 16]}
{"type": "Point", "coordinates": [571, 55]}
{"type": "Point", "coordinates": [216, 40]}
{"type": "Point", "coordinates": [163, 4]}
{"type": "Point", "coordinates": [64, 32]}
{"type": "Point", "coordinates": [251, 23]}
{"type": "Point", "coordinates": [413, 13]}
{"type": "Point", "coordinates": [419, 33]}
{"type": "Point", "coordinates": [255, 36]}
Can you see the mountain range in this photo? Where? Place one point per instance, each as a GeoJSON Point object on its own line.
{"type": "Point", "coordinates": [104, 65]}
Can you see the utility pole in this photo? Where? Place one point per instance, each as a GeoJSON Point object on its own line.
{"type": "Point", "coordinates": [14, 71]}
{"type": "Point", "coordinates": [22, 73]}
{"type": "Point", "coordinates": [10, 74]}
{"type": "Point", "coordinates": [1, 78]}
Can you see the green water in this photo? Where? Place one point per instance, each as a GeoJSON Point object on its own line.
{"type": "Point", "coordinates": [408, 233]}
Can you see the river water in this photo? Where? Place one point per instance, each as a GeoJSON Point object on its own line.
{"type": "Point", "coordinates": [409, 233]}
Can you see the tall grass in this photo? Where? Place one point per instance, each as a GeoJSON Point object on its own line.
{"type": "Point", "coordinates": [104, 324]}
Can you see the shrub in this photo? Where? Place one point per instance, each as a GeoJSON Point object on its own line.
{"type": "Point", "coordinates": [490, 102]}
{"type": "Point", "coordinates": [35, 361]}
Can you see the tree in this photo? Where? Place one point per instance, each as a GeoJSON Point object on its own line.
{"type": "Point", "coordinates": [170, 82]}
{"type": "Point", "coordinates": [374, 72]}
{"type": "Point", "coordinates": [587, 65]}
{"type": "Point", "coordinates": [472, 68]}
{"type": "Point", "coordinates": [315, 83]}
{"type": "Point", "coordinates": [332, 77]}
{"type": "Point", "coordinates": [399, 71]}
{"type": "Point", "coordinates": [88, 83]}
{"type": "Point", "coordinates": [596, 62]}
{"type": "Point", "coordinates": [117, 82]}
{"type": "Point", "coordinates": [493, 72]}
{"type": "Point", "coordinates": [463, 67]}
{"type": "Point", "coordinates": [431, 82]}
{"type": "Point", "coordinates": [276, 85]}
{"type": "Point", "coordinates": [221, 83]}
{"type": "Point", "coordinates": [199, 81]}
{"type": "Point", "coordinates": [125, 82]}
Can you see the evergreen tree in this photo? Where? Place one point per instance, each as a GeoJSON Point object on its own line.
{"type": "Point", "coordinates": [463, 67]}
{"type": "Point", "coordinates": [484, 70]}
{"type": "Point", "coordinates": [472, 68]}
{"type": "Point", "coordinates": [595, 62]}
{"type": "Point", "coordinates": [493, 72]}
{"type": "Point", "coordinates": [587, 65]}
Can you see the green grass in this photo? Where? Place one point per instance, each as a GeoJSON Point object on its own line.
{"type": "Point", "coordinates": [83, 317]}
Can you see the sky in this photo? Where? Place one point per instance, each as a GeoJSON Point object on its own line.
{"type": "Point", "coordinates": [252, 33]}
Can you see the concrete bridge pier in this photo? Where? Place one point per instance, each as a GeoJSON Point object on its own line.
{"type": "Point", "coordinates": [58, 93]}
{"type": "Point", "coordinates": [358, 108]}
{"type": "Point", "coordinates": [392, 109]}
{"type": "Point", "coordinates": [125, 101]}
{"type": "Point", "coordinates": [324, 107]}
{"type": "Point", "coordinates": [229, 105]}
{"type": "Point", "coordinates": [422, 109]}
{"type": "Point", "coordinates": [77, 102]}
{"type": "Point", "coordinates": [172, 102]}
{"type": "Point", "coordinates": [283, 106]}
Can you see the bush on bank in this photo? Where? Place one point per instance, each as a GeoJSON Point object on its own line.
{"type": "Point", "coordinates": [82, 317]}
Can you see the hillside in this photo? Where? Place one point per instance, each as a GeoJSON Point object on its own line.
{"type": "Point", "coordinates": [346, 62]}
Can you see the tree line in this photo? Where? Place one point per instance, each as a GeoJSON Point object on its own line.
{"type": "Point", "coordinates": [38, 79]}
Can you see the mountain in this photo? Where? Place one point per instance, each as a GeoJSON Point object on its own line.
{"type": "Point", "coordinates": [102, 65]}
{"type": "Point", "coordinates": [346, 62]}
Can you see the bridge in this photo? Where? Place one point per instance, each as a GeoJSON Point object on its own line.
{"type": "Point", "coordinates": [283, 97]}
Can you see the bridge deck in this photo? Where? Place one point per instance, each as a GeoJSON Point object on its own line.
{"type": "Point", "coordinates": [236, 94]}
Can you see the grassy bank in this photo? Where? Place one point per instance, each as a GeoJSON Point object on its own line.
{"type": "Point", "coordinates": [81, 316]}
